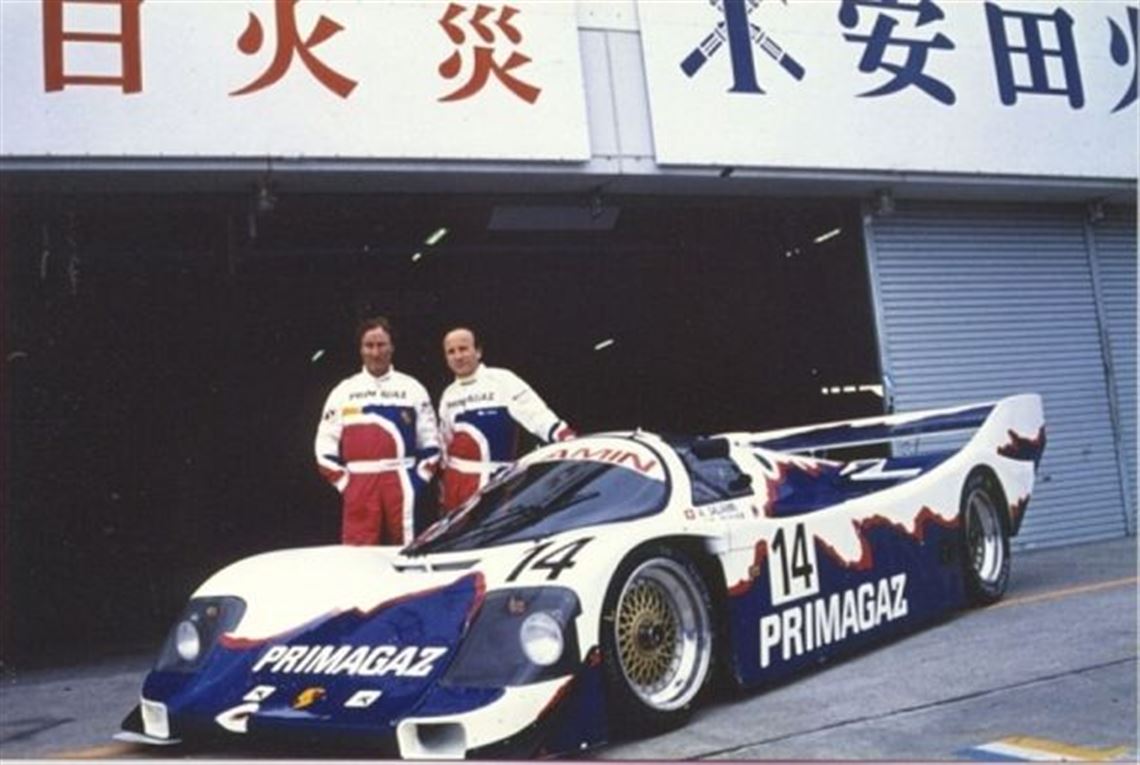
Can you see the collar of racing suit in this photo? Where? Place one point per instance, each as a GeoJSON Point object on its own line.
{"type": "Point", "coordinates": [381, 378]}
{"type": "Point", "coordinates": [471, 377]}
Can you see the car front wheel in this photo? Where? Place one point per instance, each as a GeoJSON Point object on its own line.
{"type": "Point", "coordinates": [657, 639]}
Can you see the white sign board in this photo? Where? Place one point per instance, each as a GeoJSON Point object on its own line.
{"type": "Point", "coordinates": [321, 78]}
{"type": "Point", "coordinates": [1007, 87]}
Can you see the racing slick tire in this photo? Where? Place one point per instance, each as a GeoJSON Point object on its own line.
{"type": "Point", "coordinates": [985, 538]}
{"type": "Point", "coordinates": [657, 639]}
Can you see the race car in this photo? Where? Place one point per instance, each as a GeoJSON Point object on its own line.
{"type": "Point", "coordinates": [601, 586]}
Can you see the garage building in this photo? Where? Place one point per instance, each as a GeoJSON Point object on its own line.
{"type": "Point", "coordinates": [680, 216]}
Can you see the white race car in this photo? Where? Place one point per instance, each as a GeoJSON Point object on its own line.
{"type": "Point", "coordinates": [599, 586]}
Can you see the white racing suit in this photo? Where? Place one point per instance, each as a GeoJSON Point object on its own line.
{"type": "Point", "coordinates": [378, 444]}
{"type": "Point", "coordinates": [479, 419]}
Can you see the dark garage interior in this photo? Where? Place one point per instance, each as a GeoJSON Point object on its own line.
{"type": "Point", "coordinates": [166, 358]}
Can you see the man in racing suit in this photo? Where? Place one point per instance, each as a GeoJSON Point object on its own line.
{"type": "Point", "coordinates": [479, 417]}
{"type": "Point", "coordinates": [377, 443]}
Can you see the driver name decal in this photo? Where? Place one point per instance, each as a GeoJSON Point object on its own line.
{"type": "Point", "coordinates": [813, 624]}
{"type": "Point", "coordinates": [363, 661]}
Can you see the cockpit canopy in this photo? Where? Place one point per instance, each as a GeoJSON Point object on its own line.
{"type": "Point", "coordinates": [556, 489]}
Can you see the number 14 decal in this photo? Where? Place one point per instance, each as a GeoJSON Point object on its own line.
{"type": "Point", "coordinates": [554, 561]}
{"type": "Point", "coordinates": [792, 572]}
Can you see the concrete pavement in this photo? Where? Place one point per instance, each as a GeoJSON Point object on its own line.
{"type": "Point", "coordinates": [1055, 662]}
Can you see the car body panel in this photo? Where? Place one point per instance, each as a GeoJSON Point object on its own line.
{"type": "Point", "coordinates": [806, 559]}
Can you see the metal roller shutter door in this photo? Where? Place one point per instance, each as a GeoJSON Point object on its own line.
{"type": "Point", "coordinates": [1115, 240]}
{"type": "Point", "coordinates": [979, 302]}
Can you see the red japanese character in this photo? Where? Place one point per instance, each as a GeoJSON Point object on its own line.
{"type": "Point", "coordinates": [484, 64]}
{"type": "Point", "coordinates": [289, 42]}
{"type": "Point", "coordinates": [127, 39]}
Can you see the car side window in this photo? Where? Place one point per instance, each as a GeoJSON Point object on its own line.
{"type": "Point", "coordinates": [716, 479]}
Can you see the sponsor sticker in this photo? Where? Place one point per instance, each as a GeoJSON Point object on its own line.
{"type": "Point", "coordinates": [815, 623]}
{"type": "Point", "coordinates": [725, 511]}
{"type": "Point", "coordinates": [618, 452]}
{"type": "Point", "coordinates": [236, 719]}
{"type": "Point", "coordinates": [362, 661]}
{"type": "Point", "coordinates": [259, 693]}
{"type": "Point", "coordinates": [308, 697]}
{"type": "Point", "coordinates": [363, 699]}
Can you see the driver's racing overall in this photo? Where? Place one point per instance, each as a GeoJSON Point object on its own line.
{"type": "Point", "coordinates": [378, 444]}
{"type": "Point", "coordinates": [479, 419]}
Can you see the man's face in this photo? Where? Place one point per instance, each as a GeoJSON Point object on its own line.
{"type": "Point", "coordinates": [460, 351]}
{"type": "Point", "coordinates": [376, 351]}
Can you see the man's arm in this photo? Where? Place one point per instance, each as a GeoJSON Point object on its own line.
{"type": "Point", "coordinates": [445, 430]}
{"type": "Point", "coordinates": [529, 410]}
{"type": "Point", "coordinates": [326, 446]}
{"type": "Point", "coordinates": [427, 436]}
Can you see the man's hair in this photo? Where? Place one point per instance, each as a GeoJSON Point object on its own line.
{"type": "Point", "coordinates": [474, 335]}
{"type": "Point", "coordinates": [374, 322]}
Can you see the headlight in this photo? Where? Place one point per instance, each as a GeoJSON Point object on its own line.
{"type": "Point", "coordinates": [541, 639]}
{"type": "Point", "coordinates": [520, 636]}
{"type": "Point", "coordinates": [197, 630]}
{"type": "Point", "coordinates": [187, 641]}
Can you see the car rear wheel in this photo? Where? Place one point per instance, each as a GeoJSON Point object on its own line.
{"type": "Point", "coordinates": [985, 539]}
{"type": "Point", "coordinates": [657, 639]}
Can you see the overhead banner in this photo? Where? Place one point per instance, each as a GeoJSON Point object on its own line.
{"type": "Point", "coordinates": [291, 78]}
{"type": "Point", "coordinates": [1031, 87]}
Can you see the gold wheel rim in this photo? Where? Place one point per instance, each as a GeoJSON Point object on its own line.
{"type": "Point", "coordinates": [647, 636]}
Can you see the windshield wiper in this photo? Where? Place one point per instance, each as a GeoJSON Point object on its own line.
{"type": "Point", "coordinates": [558, 506]}
{"type": "Point", "coordinates": [519, 516]}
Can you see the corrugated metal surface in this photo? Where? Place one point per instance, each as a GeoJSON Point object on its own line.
{"type": "Point", "coordinates": [1115, 240]}
{"type": "Point", "coordinates": [978, 302]}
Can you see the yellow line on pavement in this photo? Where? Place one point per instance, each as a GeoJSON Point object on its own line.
{"type": "Point", "coordinates": [1066, 752]}
{"type": "Point", "coordinates": [117, 749]}
{"type": "Point", "coordinates": [1053, 595]}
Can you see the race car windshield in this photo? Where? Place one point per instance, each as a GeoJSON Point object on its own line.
{"type": "Point", "coordinates": [542, 499]}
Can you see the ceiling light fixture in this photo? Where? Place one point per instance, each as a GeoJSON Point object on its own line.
{"type": "Point", "coordinates": [1096, 211]}
{"type": "Point", "coordinates": [264, 199]}
{"type": "Point", "coordinates": [884, 202]}
{"type": "Point", "coordinates": [829, 235]}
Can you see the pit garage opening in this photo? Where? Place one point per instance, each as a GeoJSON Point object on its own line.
{"type": "Point", "coordinates": [168, 355]}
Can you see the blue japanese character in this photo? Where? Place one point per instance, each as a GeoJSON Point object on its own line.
{"type": "Point", "coordinates": [741, 34]}
{"type": "Point", "coordinates": [1125, 54]}
{"type": "Point", "coordinates": [1035, 53]}
{"type": "Point", "coordinates": [881, 39]}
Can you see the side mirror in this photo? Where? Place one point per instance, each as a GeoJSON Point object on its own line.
{"type": "Point", "coordinates": [710, 448]}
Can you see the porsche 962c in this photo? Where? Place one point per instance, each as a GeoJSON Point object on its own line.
{"type": "Point", "coordinates": [600, 586]}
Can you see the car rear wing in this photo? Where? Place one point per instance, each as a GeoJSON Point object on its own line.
{"type": "Point", "coordinates": [1022, 414]}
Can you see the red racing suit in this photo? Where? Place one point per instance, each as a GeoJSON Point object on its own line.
{"type": "Point", "coordinates": [479, 420]}
{"type": "Point", "coordinates": [378, 444]}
